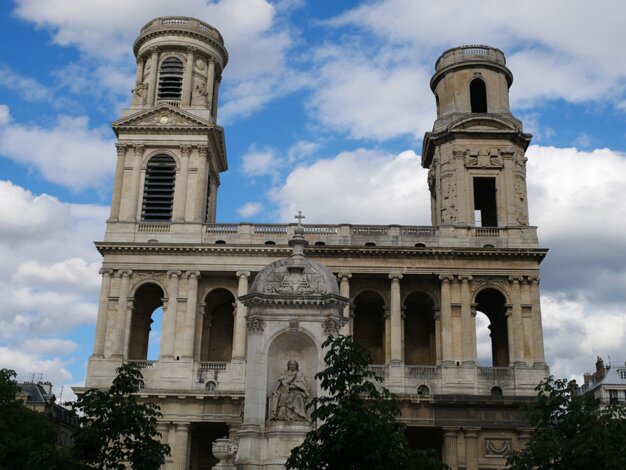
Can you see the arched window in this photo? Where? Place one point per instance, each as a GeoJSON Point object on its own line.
{"type": "Point", "coordinates": [147, 303]}
{"type": "Point", "coordinates": [158, 191]}
{"type": "Point", "coordinates": [170, 79]}
{"type": "Point", "coordinates": [216, 344]}
{"type": "Point", "coordinates": [419, 330]}
{"type": "Point", "coordinates": [369, 324]}
{"type": "Point", "coordinates": [495, 337]}
{"type": "Point", "coordinates": [478, 96]}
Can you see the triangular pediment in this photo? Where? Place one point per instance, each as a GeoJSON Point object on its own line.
{"type": "Point", "coordinates": [163, 117]}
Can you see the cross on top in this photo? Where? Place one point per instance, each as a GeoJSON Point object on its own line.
{"type": "Point", "coordinates": [299, 217]}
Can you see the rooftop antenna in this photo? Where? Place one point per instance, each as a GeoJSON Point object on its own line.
{"type": "Point", "coordinates": [36, 377]}
{"type": "Point", "coordinates": [61, 394]}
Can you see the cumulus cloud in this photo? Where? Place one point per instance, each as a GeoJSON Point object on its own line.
{"type": "Point", "coordinates": [360, 186]}
{"type": "Point", "coordinates": [48, 280]}
{"type": "Point", "coordinates": [258, 162]}
{"type": "Point", "coordinates": [250, 209]}
{"type": "Point", "coordinates": [70, 153]}
{"type": "Point", "coordinates": [5, 114]}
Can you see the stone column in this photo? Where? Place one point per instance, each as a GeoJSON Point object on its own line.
{"type": "Point", "coordinates": [130, 309]}
{"type": "Point", "coordinates": [154, 71]}
{"type": "Point", "coordinates": [468, 327]}
{"type": "Point", "coordinates": [446, 321]}
{"type": "Point", "coordinates": [103, 313]}
{"type": "Point", "coordinates": [188, 77]}
{"type": "Point", "coordinates": [396, 318]}
{"type": "Point", "coordinates": [181, 447]}
{"type": "Point", "coordinates": [190, 316]}
{"type": "Point", "coordinates": [438, 344]}
{"type": "Point", "coordinates": [537, 327]}
{"type": "Point", "coordinates": [180, 188]}
{"type": "Point", "coordinates": [214, 183]}
{"type": "Point", "coordinates": [215, 96]}
{"type": "Point", "coordinates": [509, 331]}
{"type": "Point", "coordinates": [201, 185]}
{"type": "Point", "coordinates": [136, 182]}
{"type": "Point", "coordinates": [239, 335]}
{"type": "Point", "coordinates": [163, 429]}
{"type": "Point", "coordinates": [387, 337]}
{"type": "Point", "coordinates": [449, 448]}
{"type": "Point", "coordinates": [344, 291]}
{"type": "Point", "coordinates": [210, 83]}
{"type": "Point", "coordinates": [169, 318]}
{"type": "Point", "coordinates": [518, 327]}
{"type": "Point", "coordinates": [473, 307]}
{"type": "Point", "coordinates": [122, 305]}
{"type": "Point", "coordinates": [116, 197]}
{"type": "Point", "coordinates": [471, 448]}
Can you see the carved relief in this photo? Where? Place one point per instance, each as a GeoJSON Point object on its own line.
{"type": "Point", "coordinates": [200, 93]}
{"type": "Point", "coordinates": [520, 197]}
{"type": "Point", "coordinates": [448, 207]}
{"type": "Point", "coordinates": [255, 325]}
{"type": "Point", "coordinates": [333, 325]}
{"type": "Point", "coordinates": [490, 158]}
{"type": "Point", "coordinates": [200, 64]}
{"type": "Point", "coordinates": [291, 280]}
{"type": "Point", "coordinates": [497, 447]}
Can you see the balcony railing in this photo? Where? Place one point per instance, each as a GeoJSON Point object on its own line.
{"type": "Point", "coordinates": [494, 371]}
{"type": "Point", "coordinates": [379, 370]}
{"type": "Point", "coordinates": [205, 366]}
{"type": "Point", "coordinates": [422, 371]}
{"type": "Point", "coordinates": [148, 364]}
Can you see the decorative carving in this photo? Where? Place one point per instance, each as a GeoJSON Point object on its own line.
{"type": "Point", "coordinates": [295, 280]}
{"type": "Point", "coordinates": [225, 450]}
{"type": "Point", "coordinates": [121, 149]}
{"type": "Point", "coordinates": [497, 447]}
{"type": "Point", "coordinates": [200, 64]}
{"type": "Point", "coordinates": [483, 159]}
{"type": "Point", "coordinates": [255, 324]}
{"type": "Point", "coordinates": [139, 90]}
{"type": "Point", "coordinates": [288, 401]}
{"type": "Point", "coordinates": [139, 149]}
{"type": "Point", "coordinates": [332, 326]}
{"type": "Point", "coordinates": [203, 151]}
{"type": "Point", "coordinates": [185, 150]}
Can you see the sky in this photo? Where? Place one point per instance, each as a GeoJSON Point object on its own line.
{"type": "Point", "coordinates": [324, 105]}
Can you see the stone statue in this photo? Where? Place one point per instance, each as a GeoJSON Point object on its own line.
{"type": "Point", "coordinates": [290, 395]}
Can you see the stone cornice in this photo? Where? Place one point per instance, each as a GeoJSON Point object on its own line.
{"type": "Point", "coordinates": [327, 251]}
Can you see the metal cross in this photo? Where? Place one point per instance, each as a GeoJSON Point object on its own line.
{"type": "Point", "coordinates": [299, 217]}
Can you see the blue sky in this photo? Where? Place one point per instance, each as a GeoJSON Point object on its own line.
{"type": "Point", "coordinates": [324, 104]}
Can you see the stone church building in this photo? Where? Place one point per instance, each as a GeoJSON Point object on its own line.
{"type": "Point", "coordinates": [245, 307]}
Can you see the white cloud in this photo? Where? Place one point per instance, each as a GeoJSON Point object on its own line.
{"type": "Point", "coordinates": [50, 345]}
{"type": "Point", "coordinates": [361, 186]}
{"type": "Point", "coordinates": [70, 153]}
{"type": "Point", "coordinates": [250, 209]}
{"type": "Point", "coordinates": [259, 162]}
{"type": "Point", "coordinates": [26, 363]}
{"type": "Point", "coordinates": [5, 114]}
{"type": "Point", "coordinates": [71, 274]}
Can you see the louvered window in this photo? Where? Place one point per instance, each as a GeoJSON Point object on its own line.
{"type": "Point", "coordinates": [171, 79]}
{"type": "Point", "coordinates": [158, 192]}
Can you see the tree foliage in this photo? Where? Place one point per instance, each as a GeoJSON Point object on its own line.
{"type": "Point", "coordinates": [116, 428]}
{"type": "Point", "coordinates": [27, 438]}
{"type": "Point", "coordinates": [357, 425]}
{"type": "Point", "coordinates": [572, 431]}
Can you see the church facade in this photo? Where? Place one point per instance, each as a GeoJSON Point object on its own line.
{"type": "Point", "coordinates": [245, 307]}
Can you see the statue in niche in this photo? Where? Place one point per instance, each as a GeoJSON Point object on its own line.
{"type": "Point", "coordinates": [139, 93]}
{"type": "Point", "coordinates": [288, 401]}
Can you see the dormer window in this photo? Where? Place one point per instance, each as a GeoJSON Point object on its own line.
{"type": "Point", "coordinates": [170, 79]}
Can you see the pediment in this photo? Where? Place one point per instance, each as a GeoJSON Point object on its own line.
{"type": "Point", "coordinates": [484, 123]}
{"type": "Point", "coordinates": [163, 117]}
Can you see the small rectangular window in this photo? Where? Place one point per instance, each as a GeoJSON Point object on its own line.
{"type": "Point", "coordinates": [485, 201]}
{"type": "Point", "coordinates": [613, 398]}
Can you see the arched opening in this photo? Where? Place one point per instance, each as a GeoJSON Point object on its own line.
{"type": "Point", "coordinates": [369, 324]}
{"type": "Point", "coordinates": [496, 392]}
{"type": "Point", "coordinates": [202, 437]}
{"type": "Point", "coordinates": [478, 96]}
{"type": "Point", "coordinates": [147, 303]}
{"type": "Point", "coordinates": [170, 79]}
{"type": "Point", "coordinates": [492, 304]}
{"type": "Point", "coordinates": [158, 190]}
{"type": "Point", "coordinates": [419, 330]}
{"type": "Point", "coordinates": [370, 244]}
{"type": "Point", "coordinates": [320, 244]}
{"type": "Point", "coordinates": [423, 390]}
{"type": "Point", "coordinates": [218, 321]}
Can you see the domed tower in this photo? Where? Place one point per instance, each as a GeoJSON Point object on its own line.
{"type": "Point", "coordinates": [475, 152]}
{"type": "Point", "coordinates": [170, 149]}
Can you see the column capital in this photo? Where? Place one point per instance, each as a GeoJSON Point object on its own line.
{"type": "Point", "coordinates": [516, 279]}
{"type": "Point", "coordinates": [344, 276]}
{"type": "Point", "coordinates": [509, 310]}
{"type": "Point", "coordinates": [121, 149]}
{"type": "Point", "coordinates": [211, 60]}
{"type": "Point", "coordinates": [105, 272]}
{"type": "Point", "coordinates": [465, 278]}
{"type": "Point", "coordinates": [191, 274]}
{"type": "Point", "coordinates": [473, 307]}
{"type": "Point", "coordinates": [124, 272]}
{"type": "Point", "coordinates": [242, 274]}
{"type": "Point", "coordinates": [450, 431]}
{"type": "Point", "coordinates": [395, 276]}
{"type": "Point", "coordinates": [191, 49]}
{"type": "Point", "coordinates": [185, 150]}
{"type": "Point", "coordinates": [139, 148]}
{"type": "Point", "coordinates": [471, 432]}
{"type": "Point", "coordinates": [203, 151]}
{"type": "Point", "coordinates": [139, 60]}
{"type": "Point", "coordinates": [155, 50]}
{"type": "Point", "coordinates": [174, 273]}
{"type": "Point", "coordinates": [534, 279]}
{"type": "Point", "coordinates": [445, 277]}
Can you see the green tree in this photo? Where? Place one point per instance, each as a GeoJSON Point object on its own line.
{"type": "Point", "coordinates": [572, 431]}
{"type": "Point", "coordinates": [27, 438]}
{"type": "Point", "coordinates": [357, 425]}
{"type": "Point", "coordinates": [116, 428]}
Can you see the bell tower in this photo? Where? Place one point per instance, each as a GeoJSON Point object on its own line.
{"type": "Point", "coordinates": [170, 149]}
{"type": "Point", "coordinates": [475, 152]}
